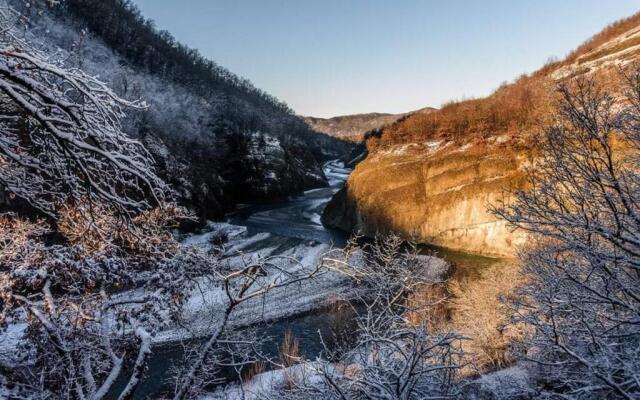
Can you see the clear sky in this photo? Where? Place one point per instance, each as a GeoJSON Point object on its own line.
{"type": "Point", "coordinates": [334, 57]}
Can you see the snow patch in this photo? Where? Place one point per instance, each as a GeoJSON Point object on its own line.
{"type": "Point", "coordinates": [509, 383]}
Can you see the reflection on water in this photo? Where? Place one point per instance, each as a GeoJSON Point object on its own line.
{"type": "Point", "coordinates": [295, 220]}
{"type": "Point", "coordinates": [465, 265]}
{"type": "Point", "coordinates": [336, 325]}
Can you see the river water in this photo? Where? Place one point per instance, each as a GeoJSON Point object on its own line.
{"type": "Point", "coordinates": [289, 223]}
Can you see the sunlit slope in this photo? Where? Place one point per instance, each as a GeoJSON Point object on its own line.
{"type": "Point", "coordinates": [433, 177]}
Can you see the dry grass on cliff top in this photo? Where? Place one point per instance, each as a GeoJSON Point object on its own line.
{"type": "Point", "coordinates": [610, 32]}
{"type": "Point", "coordinates": [511, 110]}
{"type": "Point", "coordinates": [516, 109]}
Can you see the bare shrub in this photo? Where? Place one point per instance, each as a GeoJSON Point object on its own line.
{"type": "Point", "coordinates": [289, 350]}
{"type": "Point", "coordinates": [255, 369]}
{"type": "Point", "coordinates": [582, 210]}
{"type": "Point", "coordinates": [479, 313]}
{"type": "Point", "coordinates": [392, 356]}
{"type": "Point", "coordinates": [82, 329]}
{"type": "Point", "coordinates": [62, 138]}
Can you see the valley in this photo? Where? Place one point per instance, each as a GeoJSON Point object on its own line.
{"type": "Point", "coordinates": [435, 177]}
{"type": "Point", "coordinates": [170, 230]}
{"type": "Point", "coordinates": [285, 231]}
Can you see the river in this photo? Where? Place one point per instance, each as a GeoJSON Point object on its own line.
{"type": "Point", "coordinates": [279, 227]}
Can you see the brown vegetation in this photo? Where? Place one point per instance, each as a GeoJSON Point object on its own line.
{"type": "Point", "coordinates": [511, 110]}
{"type": "Point", "coordinates": [428, 306]}
{"type": "Point", "coordinates": [478, 312]}
{"type": "Point", "coordinates": [255, 369]}
{"type": "Point", "coordinates": [431, 176]}
{"type": "Point", "coordinates": [615, 29]}
{"type": "Point", "coordinates": [96, 227]}
{"type": "Point", "coordinates": [289, 350]}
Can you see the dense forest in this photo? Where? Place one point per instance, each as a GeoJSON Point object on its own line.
{"type": "Point", "coordinates": [218, 139]}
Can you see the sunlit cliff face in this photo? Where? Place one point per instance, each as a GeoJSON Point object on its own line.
{"type": "Point", "coordinates": [440, 193]}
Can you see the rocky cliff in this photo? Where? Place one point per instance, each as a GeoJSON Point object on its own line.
{"type": "Point", "coordinates": [434, 177]}
{"type": "Point", "coordinates": [438, 192]}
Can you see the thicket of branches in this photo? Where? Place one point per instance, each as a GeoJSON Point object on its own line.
{"type": "Point", "coordinates": [206, 127]}
{"type": "Point", "coordinates": [122, 26]}
{"type": "Point", "coordinates": [61, 134]}
{"type": "Point", "coordinates": [582, 263]}
{"type": "Point", "coordinates": [394, 352]}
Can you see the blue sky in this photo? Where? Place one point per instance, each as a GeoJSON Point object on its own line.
{"type": "Point", "coordinates": [335, 57]}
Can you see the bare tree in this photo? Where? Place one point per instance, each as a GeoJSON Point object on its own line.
{"type": "Point", "coordinates": [93, 303]}
{"type": "Point", "coordinates": [396, 355]}
{"type": "Point", "coordinates": [83, 329]}
{"type": "Point", "coordinates": [240, 286]}
{"type": "Point", "coordinates": [582, 264]}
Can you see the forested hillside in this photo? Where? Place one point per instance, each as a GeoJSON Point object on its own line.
{"type": "Point", "coordinates": [217, 139]}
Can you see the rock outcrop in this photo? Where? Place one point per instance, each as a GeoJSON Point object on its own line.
{"type": "Point", "coordinates": [252, 168]}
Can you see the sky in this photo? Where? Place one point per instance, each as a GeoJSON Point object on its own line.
{"type": "Point", "coordinates": [337, 57]}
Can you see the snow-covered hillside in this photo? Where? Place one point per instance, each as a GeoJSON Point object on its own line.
{"type": "Point", "coordinates": [214, 147]}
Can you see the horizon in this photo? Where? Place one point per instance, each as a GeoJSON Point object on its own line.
{"type": "Point", "coordinates": [312, 85]}
{"type": "Point", "coordinates": [170, 231]}
{"type": "Point", "coordinates": [367, 63]}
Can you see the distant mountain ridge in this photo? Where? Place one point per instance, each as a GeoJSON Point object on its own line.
{"type": "Point", "coordinates": [353, 127]}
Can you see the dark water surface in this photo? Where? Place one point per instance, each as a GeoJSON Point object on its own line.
{"type": "Point", "coordinates": [298, 217]}
{"type": "Point", "coordinates": [333, 324]}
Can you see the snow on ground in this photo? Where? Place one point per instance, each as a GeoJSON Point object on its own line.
{"type": "Point", "coordinates": [206, 303]}
{"type": "Point", "coordinates": [617, 52]}
{"type": "Point", "coordinates": [213, 229]}
{"type": "Point", "coordinates": [5, 392]}
{"type": "Point", "coordinates": [265, 385]}
{"type": "Point", "coordinates": [507, 384]}
{"type": "Point", "coordinates": [316, 218]}
{"type": "Point", "coordinates": [464, 147]}
{"type": "Point", "coordinates": [9, 343]}
{"type": "Point", "coordinates": [336, 173]}
{"type": "Point", "coordinates": [399, 150]}
{"type": "Point", "coordinates": [311, 212]}
{"type": "Point", "coordinates": [499, 139]}
{"type": "Point", "coordinates": [510, 383]}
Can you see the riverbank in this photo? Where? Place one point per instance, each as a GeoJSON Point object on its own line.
{"type": "Point", "coordinates": [288, 233]}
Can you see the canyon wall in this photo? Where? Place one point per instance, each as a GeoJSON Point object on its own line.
{"type": "Point", "coordinates": [434, 177]}
{"type": "Point", "coordinates": [439, 192]}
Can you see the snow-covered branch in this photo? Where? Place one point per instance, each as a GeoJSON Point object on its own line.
{"type": "Point", "coordinates": [60, 135]}
{"type": "Point", "coordinates": [582, 207]}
